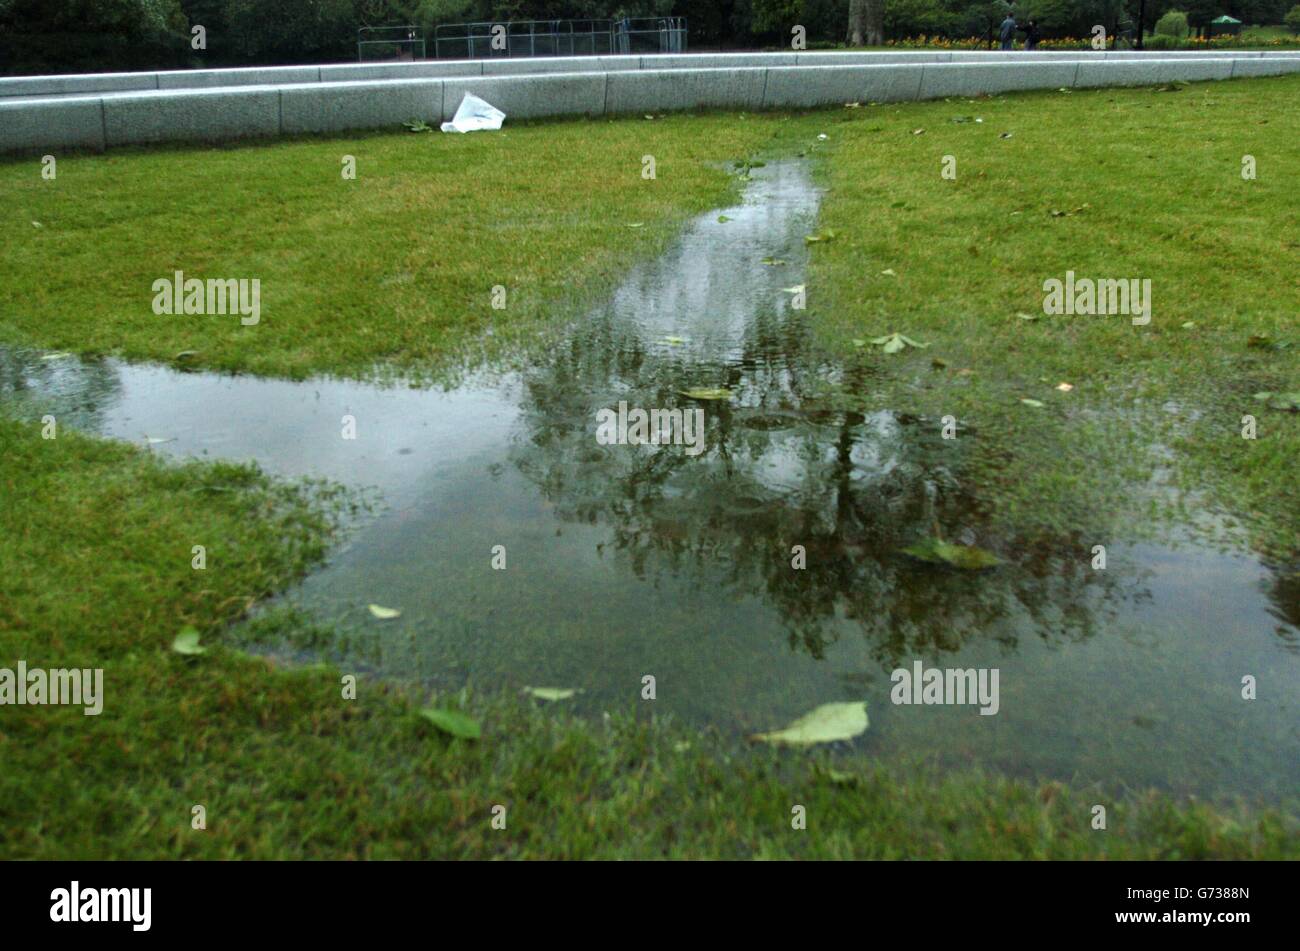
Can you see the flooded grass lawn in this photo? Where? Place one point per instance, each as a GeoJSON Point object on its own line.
{"type": "Point", "coordinates": [756, 574]}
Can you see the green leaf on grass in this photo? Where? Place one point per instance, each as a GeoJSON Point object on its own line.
{"type": "Point", "coordinates": [827, 724]}
{"type": "Point", "coordinates": [383, 613]}
{"type": "Point", "coordinates": [453, 722]}
{"type": "Point", "coordinates": [1028, 402]}
{"type": "Point", "coordinates": [187, 642]}
{"type": "Point", "coordinates": [895, 342]}
{"type": "Point", "coordinates": [1283, 401]}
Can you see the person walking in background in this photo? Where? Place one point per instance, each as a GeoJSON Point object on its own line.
{"type": "Point", "coordinates": [1007, 32]}
{"type": "Point", "coordinates": [1030, 30]}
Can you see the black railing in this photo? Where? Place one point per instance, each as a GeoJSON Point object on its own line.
{"type": "Point", "coordinates": [529, 38]}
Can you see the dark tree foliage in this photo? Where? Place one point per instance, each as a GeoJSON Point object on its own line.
{"type": "Point", "coordinates": [51, 36]}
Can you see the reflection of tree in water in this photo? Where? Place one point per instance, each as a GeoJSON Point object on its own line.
{"type": "Point", "coordinates": [781, 470]}
{"type": "Point", "coordinates": [74, 391]}
{"type": "Point", "coordinates": [1283, 592]}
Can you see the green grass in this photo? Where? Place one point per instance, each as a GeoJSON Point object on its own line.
{"type": "Point", "coordinates": [95, 543]}
{"type": "Point", "coordinates": [1251, 34]}
{"type": "Point", "coordinates": [397, 266]}
{"type": "Point", "coordinates": [1141, 183]}
{"type": "Point", "coordinates": [96, 538]}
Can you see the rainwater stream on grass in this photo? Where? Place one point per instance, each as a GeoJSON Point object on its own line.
{"type": "Point", "coordinates": [630, 560]}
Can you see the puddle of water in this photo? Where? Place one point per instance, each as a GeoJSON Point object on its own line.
{"type": "Point", "coordinates": [627, 561]}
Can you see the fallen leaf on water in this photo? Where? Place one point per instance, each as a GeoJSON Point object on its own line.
{"type": "Point", "coordinates": [675, 341]}
{"type": "Point", "coordinates": [966, 557]}
{"type": "Point", "coordinates": [551, 693]}
{"type": "Point", "coordinates": [453, 722]}
{"type": "Point", "coordinates": [797, 289]}
{"type": "Point", "coordinates": [60, 355]}
{"type": "Point", "coordinates": [383, 613]}
{"type": "Point", "coordinates": [773, 262]}
{"type": "Point", "coordinates": [715, 393]}
{"type": "Point", "coordinates": [723, 219]}
{"type": "Point", "coordinates": [827, 724]}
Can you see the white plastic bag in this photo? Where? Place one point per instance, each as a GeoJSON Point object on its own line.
{"type": "Point", "coordinates": [474, 115]}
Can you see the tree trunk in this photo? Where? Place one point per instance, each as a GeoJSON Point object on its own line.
{"type": "Point", "coordinates": [866, 22]}
{"type": "Point", "coordinates": [857, 22]}
{"type": "Point", "coordinates": [875, 22]}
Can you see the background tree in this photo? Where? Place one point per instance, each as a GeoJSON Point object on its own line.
{"type": "Point", "coordinates": [866, 22]}
{"type": "Point", "coordinates": [69, 35]}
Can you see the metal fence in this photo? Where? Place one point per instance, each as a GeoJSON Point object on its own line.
{"type": "Point", "coordinates": [651, 35]}
{"type": "Point", "coordinates": [379, 43]}
{"type": "Point", "coordinates": [527, 38]}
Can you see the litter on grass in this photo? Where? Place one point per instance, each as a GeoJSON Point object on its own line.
{"type": "Point", "coordinates": [475, 115]}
